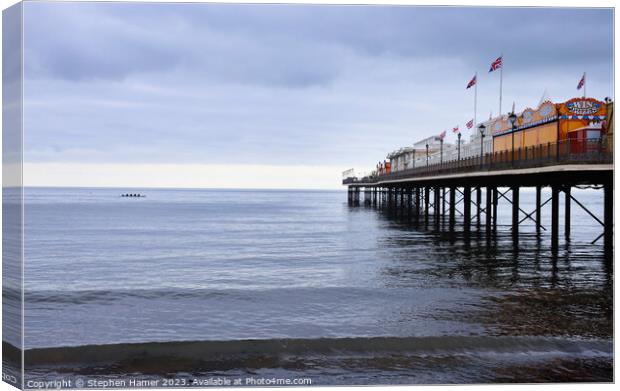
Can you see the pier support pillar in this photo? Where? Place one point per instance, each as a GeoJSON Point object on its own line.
{"type": "Point", "coordinates": [383, 197]}
{"type": "Point", "coordinates": [555, 215]}
{"type": "Point", "coordinates": [608, 220]}
{"type": "Point", "coordinates": [478, 206]}
{"type": "Point", "coordinates": [417, 203]}
{"type": "Point", "coordinates": [489, 201]}
{"type": "Point", "coordinates": [426, 202]}
{"type": "Point", "coordinates": [494, 213]}
{"type": "Point", "coordinates": [395, 200]}
{"type": "Point", "coordinates": [443, 201]}
{"type": "Point", "coordinates": [386, 198]}
{"type": "Point", "coordinates": [437, 208]}
{"type": "Point", "coordinates": [567, 201]}
{"type": "Point", "coordinates": [537, 214]}
{"type": "Point", "coordinates": [466, 208]}
{"type": "Point", "coordinates": [452, 207]}
{"type": "Point", "coordinates": [409, 201]}
{"type": "Point", "coordinates": [515, 213]}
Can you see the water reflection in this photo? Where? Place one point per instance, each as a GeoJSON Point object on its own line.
{"type": "Point", "coordinates": [529, 288]}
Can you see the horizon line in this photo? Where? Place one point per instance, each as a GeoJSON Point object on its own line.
{"type": "Point", "coordinates": [175, 188]}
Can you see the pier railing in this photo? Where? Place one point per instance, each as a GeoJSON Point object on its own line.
{"type": "Point", "coordinates": [588, 151]}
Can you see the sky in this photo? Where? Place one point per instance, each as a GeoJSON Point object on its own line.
{"type": "Point", "coordinates": [279, 96]}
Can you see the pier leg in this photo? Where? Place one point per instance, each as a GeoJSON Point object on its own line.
{"type": "Point", "coordinates": [385, 197]}
{"type": "Point", "coordinates": [555, 215]}
{"type": "Point", "coordinates": [515, 213]}
{"type": "Point", "coordinates": [426, 194]}
{"type": "Point", "coordinates": [396, 190]}
{"type": "Point", "coordinates": [409, 200]}
{"type": "Point", "coordinates": [608, 220]}
{"type": "Point", "coordinates": [394, 198]}
{"type": "Point", "coordinates": [537, 215]}
{"type": "Point", "coordinates": [478, 206]}
{"type": "Point", "coordinates": [402, 198]}
{"type": "Point", "coordinates": [437, 208]}
{"type": "Point", "coordinates": [466, 208]}
{"type": "Point", "coordinates": [382, 198]}
{"type": "Point", "coordinates": [494, 214]}
{"type": "Point", "coordinates": [567, 212]}
{"type": "Point", "coordinates": [443, 202]}
{"type": "Point", "coordinates": [489, 201]}
{"type": "Point", "coordinates": [396, 202]}
{"type": "Point", "coordinates": [452, 206]}
{"type": "Point", "coordinates": [417, 203]}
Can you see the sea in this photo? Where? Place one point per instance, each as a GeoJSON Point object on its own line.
{"type": "Point", "coordinates": [186, 286]}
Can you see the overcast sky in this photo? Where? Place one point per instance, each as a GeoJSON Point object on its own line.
{"type": "Point", "coordinates": [277, 86]}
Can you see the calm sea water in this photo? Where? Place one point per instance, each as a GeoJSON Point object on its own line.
{"type": "Point", "coordinates": [278, 266]}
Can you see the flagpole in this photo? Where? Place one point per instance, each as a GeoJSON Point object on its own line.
{"type": "Point", "coordinates": [501, 74]}
{"type": "Point", "coordinates": [475, 98]}
{"type": "Point", "coordinates": [584, 84]}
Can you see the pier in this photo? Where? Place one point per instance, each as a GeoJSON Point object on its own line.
{"type": "Point", "coordinates": [475, 187]}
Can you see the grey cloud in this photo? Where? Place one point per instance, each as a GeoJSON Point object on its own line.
{"type": "Point", "coordinates": [83, 41]}
{"type": "Point", "coordinates": [273, 84]}
{"type": "Point", "coordinates": [299, 46]}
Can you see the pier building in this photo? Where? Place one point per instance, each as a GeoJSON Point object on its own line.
{"type": "Point", "coordinates": [557, 146]}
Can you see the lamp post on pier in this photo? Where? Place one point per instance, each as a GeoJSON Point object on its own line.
{"type": "Point", "coordinates": [513, 119]}
{"type": "Point", "coordinates": [441, 150]}
{"type": "Point", "coordinates": [426, 154]}
{"type": "Point", "coordinates": [481, 129]}
{"type": "Point", "coordinates": [458, 136]}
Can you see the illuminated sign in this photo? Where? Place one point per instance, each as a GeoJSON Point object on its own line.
{"type": "Point", "coordinates": [583, 106]}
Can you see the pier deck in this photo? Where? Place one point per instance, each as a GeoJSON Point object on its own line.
{"type": "Point", "coordinates": [434, 191]}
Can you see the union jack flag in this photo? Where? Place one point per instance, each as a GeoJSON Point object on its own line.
{"type": "Point", "coordinates": [495, 65]}
{"type": "Point", "coordinates": [455, 129]}
{"type": "Point", "coordinates": [442, 135]}
{"type": "Point", "coordinates": [582, 82]}
{"type": "Point", "coordinates": [471, 83]}
{"type": "Point", "coordinates": [470, 124]}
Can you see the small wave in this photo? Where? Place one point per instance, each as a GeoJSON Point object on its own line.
{"type": "Point", "coordinates": [103, 296]}
{"type": "Point", "coordinates": [239, 350]}
{"type": "Point", "coordinates": [56, 297]}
